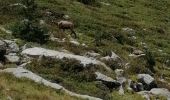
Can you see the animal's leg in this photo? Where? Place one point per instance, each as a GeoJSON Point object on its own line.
{"type": "Point", "coordinates": [73, 32]}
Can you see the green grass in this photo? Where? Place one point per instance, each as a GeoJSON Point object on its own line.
{"type": "Point", "coordinates": [70, 75]}
{"type": "Point", "coordinates": [149, 18]}
{"type": "Point", "coordinates": [24, 89]}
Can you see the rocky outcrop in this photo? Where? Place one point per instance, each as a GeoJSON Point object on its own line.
{"type": "Point", "coordinates": [21, 72]}
{"type": "Point", "coordinates": [12, 47]}
{"type": "Point", "coordinates": [155, 92]}
{"type": "Point", "coordinates": [147, 80]}
{"type": "Point", "coordinates": [92, 54]}
{"type": "Point", "coordinates": [108, 81]}
{"type": "Point", "coordinates": [36, 51]}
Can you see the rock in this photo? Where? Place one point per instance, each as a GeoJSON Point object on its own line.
{"type": "Point", "coordinates": [92, 54]}
{"type": "Point", "coordinates": [12, 58]}
{"type": "Point", "coordinates": [129, 85]}
{"type": "Point", "coordinates": [20, 72]}
{"type": "Point", "coordinates": [121, 90]}
{"type": "Point", "coordinates": [24, 47]}
{"type": "Point", "coordinates": [36, 52]}
{"type": "Point", "coordinates": [138, 52]}
{"type": "Point", "coordinates": [139, 87]}
{"type": "Point", "coordinates": [161, 92]}
{"type": "Point", "coordinates": [74, 42]}
{"type": "Point", "coordinates": [119, 72]}
{"type": "Point", "coordinates": [145, 94]}
{"type": "Point", "coordinates": [121, 80]}
{"type": "Point", "coordinates": [108, 81]}
{"type": "Point", "coordinates": [66, 17]}
{"type": "Point", "coordinates": [12, 46]}
{"type": "Point", "coordinates": [1, 66]}
{"type": "Point", "coordinates": [113, 56]}
{"type": "Point", "coordinates": [147, 80]}
{"type": "Point", "coordinates": [155, 92]}
{"type": "Point", "coordinates": [128, 30]}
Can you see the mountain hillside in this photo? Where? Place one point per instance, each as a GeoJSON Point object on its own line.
{"type": "Point", "coordinates": [85, 49]}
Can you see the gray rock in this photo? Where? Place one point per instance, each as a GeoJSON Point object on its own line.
{"type": "Point", "coordinates": [147, 81]}
{"type": "Point", "coordinates": [92, 54]}
{"type": "Point", "coordinates": [140, 87]}
{"type": "Point", "coordinates": [138, 52]}
{"type": "Point", "coordinates": [1, 66]}
{"type": "Point", "coordinates": [36, 52]}
{"type": "Point", "coordinates": [20, 72]}
{"type": "Point", "coordinates": [121, 90]}
{"type": "Point", "coordinates": [12, 46]}
{"type": "Point", "coordinates": [113, 56]}
{"type": "Point", "coordinates": [108, 81]}
{"type": "Point", "coordinates": [161, 92]}
{"type": "Point", "coordinates": [2, 45]}
{"type": "Point", "coordinates": [129, 31]}
{"type": "Point", "coordinates": [119, 72]}
{"type": "Point", "coordinates": [146, 78]}
{"type": "Point", "coordinates": [12, 58]}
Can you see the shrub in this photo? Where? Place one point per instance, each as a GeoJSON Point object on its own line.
{"type": "Point", "coordinates": [30, 29]}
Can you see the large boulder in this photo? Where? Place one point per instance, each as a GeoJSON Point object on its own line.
{"type": "Point", "coordinates": [113, 61]}
{"type": "Point", "coordinates": [161, 91]}
{"type": "Point", "coordinates": [12, 47]}
{"type": "Point", "coordinates": [155, 92]}
{"type": "Point", "coordinates": [108, 81]}
{"type": "Point", "coordinates": [147, 80]}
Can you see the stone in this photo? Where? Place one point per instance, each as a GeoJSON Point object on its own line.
{"type": "Point", "coordinates": [113, 56]}
{"type": "Point", "coordinates": [138, 52]}
{"type": "Point", "coordinates": [161, 92]}
{"type": "Point", "coordinates": [146, 78]}
{"type": "Point", "coordinates": [37, 51]}
{"type": "Point", "coordinates": [147, 81]}
{"type": "Point", "coordinates": [129, 31]}
{"type": "Point", "coordinates": [92, 54]}
{"type": "Point", "coordinates": [12, 58]}
{"type": "Point", "coordinates": [121, 90]}
{"type": "Point", "coordinates": [119, 72]}
{"type": "Point", "coordinates": [12, 46]}
{"type": "Point", "coordinates": [20, 72]}
{"type": "Point", "coordinates": [108, 81]}
{"type": "Point", "coordinates": [1, 66]}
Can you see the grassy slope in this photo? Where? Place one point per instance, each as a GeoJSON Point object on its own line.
{"type": "Point", "coordinates": [137, 14]}
{"type": "Point", "coordinates": [24, 89]}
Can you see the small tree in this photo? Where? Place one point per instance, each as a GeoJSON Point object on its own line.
{"type": "Point", "coordinates": [30, 28]}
